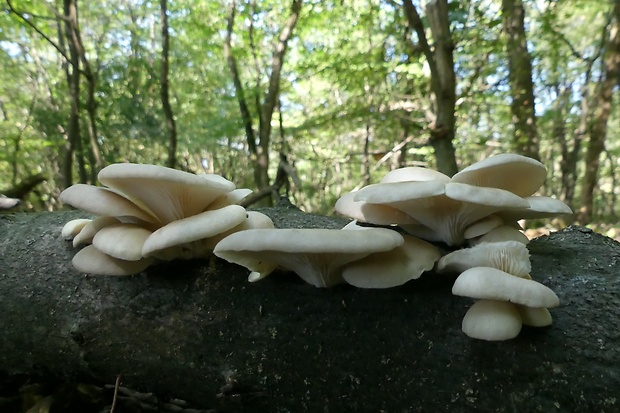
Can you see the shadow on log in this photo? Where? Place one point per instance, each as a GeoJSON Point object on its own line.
{"type": "Point", "coordinates": [199, 331]}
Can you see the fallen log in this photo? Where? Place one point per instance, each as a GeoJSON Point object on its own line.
{"type": "Point", "coordinates": [199, 331]}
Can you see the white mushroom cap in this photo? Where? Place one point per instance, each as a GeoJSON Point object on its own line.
{"type": "Point", "coordinates": [414, 173]}
{"type": "Point", "coordinates": [91, 260]}
{"type": "Point", "coordinates": [316, 255]}
{"type": "Point", "coordinates": [534, 316]}
{"type": "Point", "coordinates": [540, 207]}
{"type": "Point", "coordinates": [447, 209]}
{"type": "Point", "coordinates": [509, 256]}
{"type": "Point", "coordinates": [175, 239]}
{"type": "Point", "coordinates": [87, 233]}
{"type": "Point", "coordinates": [122, 241]}
{"type": "Point", "coordinates": [492, 284]}
{"type": "Point", "coordinates": [492, 320]}
{"type": "Point", "coordinates": [165, 193]}
{"type": "Point", "coordinates": [102, 201]}
{"type": "Point", "coordinates": [511, 172]}
{"type": "Point", "coordinates": [73, 227]}
{"type": "Point", "coordinates": [392, 268]}
{"type": "Point", "coordinates": [501, 233]}
{"type": "Point", "coordinates": [372, 213]}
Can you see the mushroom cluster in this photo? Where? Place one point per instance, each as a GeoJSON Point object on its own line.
{"type": "Point", "coordinates": [478, 208]}
{"type": "Point", "coordinates": [148, 213]}
{"type": "Point", "coordinates": [371, 258]}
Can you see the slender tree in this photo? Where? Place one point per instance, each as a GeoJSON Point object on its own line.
{"type": "Point", "coordinates": [259, 143]}
{"type": "Point", "coordinates": [165, 86]}
{"type": "Point", "coordinates": [443, 80]}
{"type": "Point", "coordinates": [525, 138]}
{"type": "Point", "coordinates": [603, 105]}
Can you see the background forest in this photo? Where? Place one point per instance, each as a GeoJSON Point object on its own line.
{"type": "Point", "coordinates": [309, 98]}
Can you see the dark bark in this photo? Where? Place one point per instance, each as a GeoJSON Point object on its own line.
{"type": "Point", "coordinates": [259, 143]}
{"type": "Point", "coordinates": [602, 104]}
{"type": "Point", "coordinates": [198, 331]}
{"type": "Point", "coordinates": [165, 86]}
{"type": "Point", "coordinates": [443, 81]}
{"type": "Point", "coordinates": [525, 139]}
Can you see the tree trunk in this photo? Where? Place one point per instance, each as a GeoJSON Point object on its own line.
{"type": "Point", "coordinates": [443, 83]}
{"type": "Point", "coordinates": [598, 130]}
{"type": "Point", "coordinates": [199, 331]}
{"type": "Point", "coordinates": [259, 148]}
{"type": "Point", "coordinates": [525, 138]}
{"type": "Point", "coordinates": [73, 145]}
{"type": "Point", "coordinates": [165, 93]}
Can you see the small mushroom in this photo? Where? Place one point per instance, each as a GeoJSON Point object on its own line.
{"type": "Point", "coordinates": [73, 228]}
{"type": "Point", "coordinates": [122, 241]}
{"type": "Point", "coordinates": [87, 233]}
{"type": "Point", "coordinates": [394, 267]}
{"type": "Point", "coordinates": [316, 255]}
{"type": "Point", "coordinates": [492, 321]}
{"type": "Point", "coordinates": [534, 316]}
{"type": "Point", "coordinates": [488, 283]}
{"type": "Point", "coordinates": [509, 256]}
{"type": "Point", "coordinates": [91, 260]}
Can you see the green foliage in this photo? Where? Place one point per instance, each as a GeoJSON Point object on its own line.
{"type": "Point", "coordinates": [354, 85]}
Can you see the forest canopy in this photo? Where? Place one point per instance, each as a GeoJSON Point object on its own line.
{"type": "Point", "coordinates": [310, 98]}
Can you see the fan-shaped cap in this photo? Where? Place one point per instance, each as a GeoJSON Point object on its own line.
{"type": "Point", "coordinates": [316, 255]}
{"type": "Point", "coordinates": [511, 172]}
{"type": "Point", "coordinates": [539, 207]}
{"type": "Point", "coordinates": [371, 213]}
{"type": "Point", "coordinates": [492, 284]}
{"type": "Point", "coordinates": [414, 173]}
{"type": "Point", "coordinates": [73, 228]}
{"type": "Point", "coordinates": [492, 321]}
{"type": "Point", "coordinates": [122, 241]}
{"type": "Point", "coordinates": [509, 256]}
{"type": "Point", "coordinates": [87, 233]}
{"type": "Point", "coordinates": [392, 268]}
{"type": "Point", "coordinates": [174, 240]}
{"type": "Point", "coordinates": [90, 260]}
{"type": "Point", "coordinates": [165, 193]}
{"type": "Point", "coordinates": [102, 201]}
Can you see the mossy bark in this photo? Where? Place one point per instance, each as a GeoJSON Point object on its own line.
{"type": "Point", "coordinates": [198, 331]}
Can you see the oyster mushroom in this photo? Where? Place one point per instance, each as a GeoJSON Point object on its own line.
{"type": "Point", "coordinates": [488, 283]}
{"type": "Point", "coordinates": [508, 256]}
{"type": "Point", "coordinates": [510, 172]}
{"type": "Point", "coordinates": [164, 193]}
{"type": "Point", "coordinates": [492, 321]}
{"type": "Point", "coordinates": [391, 268]}
{"type": "Point", "coordinates": [443, 210]}
{"type": "Point", "coordinates": [316, 255]}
